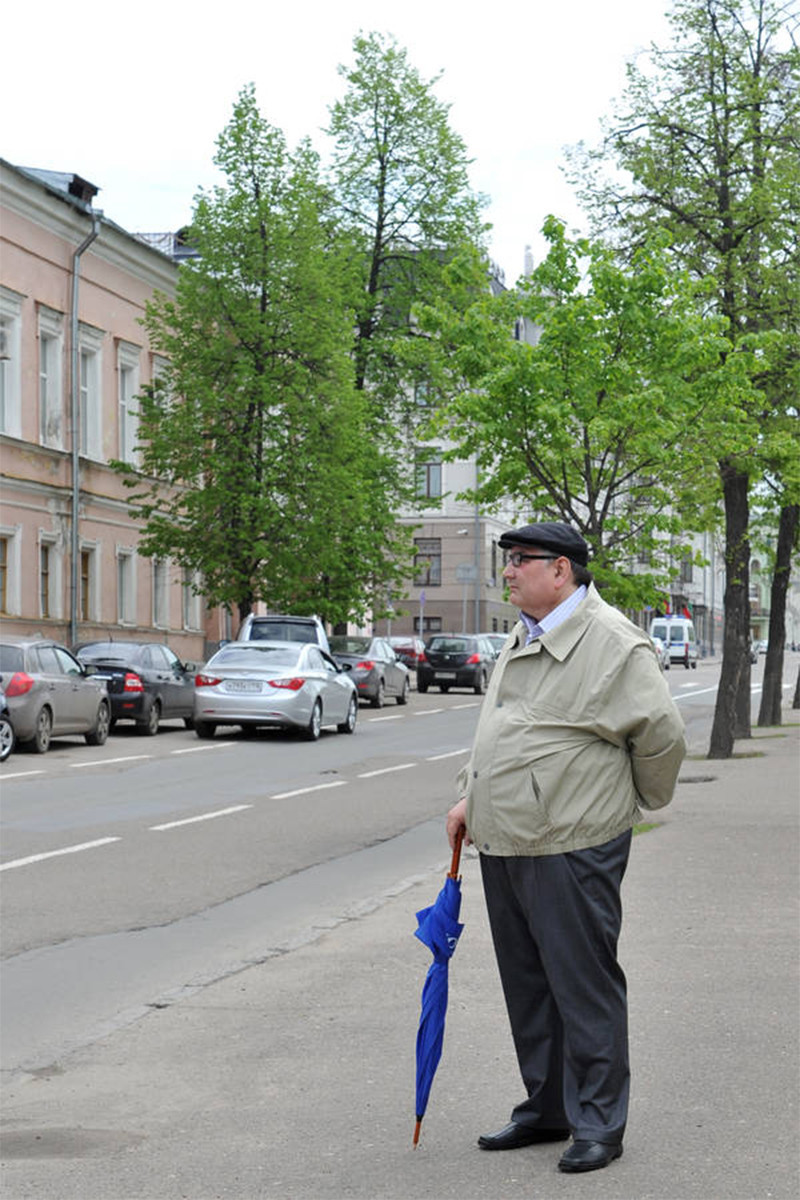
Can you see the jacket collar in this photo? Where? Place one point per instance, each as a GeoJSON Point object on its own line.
{"type": "Point", "coordinates": [560, 641]}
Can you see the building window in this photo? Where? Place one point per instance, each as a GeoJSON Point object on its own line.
{"type": "Point", "coordinates": [428, 468]}
{"type": "Point", "coordinates": [10, 368]}
{"type": "Point", "coordinates": [429, 625]}
{"type": "Point", "coordinates": [127, 391]}
{"type": "Point", "coordinates": [687, 571]}
{"type": "Point", "coordinates": [126, 587]}
{"type": "Point", "coordinates": [90, 401]}
{"type": "Point", "coordinates": [160, 593]}
{"type": "Point", "coordinates": [428, 562]}
{"type": "Point", "coordinates": [4, 559]}
{"type": "Point", "coordinates": [87, 584]}
{"type": "Point", "coordinates": [45, 579]}
{"type": "Point", "coordinates": [51, 394]}
{"type": "Point", "coordinates": [190, 600]}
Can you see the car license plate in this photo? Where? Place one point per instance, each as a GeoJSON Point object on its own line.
{"type": "Point", "coordinates": [445, 674]}
{"type": "Point", "coordinates": [243, 685]}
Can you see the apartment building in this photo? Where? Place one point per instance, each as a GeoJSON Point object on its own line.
{"type": "Point", "coordinates": [73, 357]}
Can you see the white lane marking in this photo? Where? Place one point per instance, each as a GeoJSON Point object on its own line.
{"type": "Point", "coordinates": [691, 696]}
{"type": "Point", "coordinates": [385, 771]}
{"type": "Point", "coordinates": [197, 749]}
{"type": "Point", "coordinates": [450, 754]}
{"type": "Point", "coordinates": [472, 704]}
{"type": "Point", "coordinates": [318, 787]}
{"type": "Point", "coordinates": [398, 717]}
{"type": "Point", "coordinates": [34, 858]}
{"type": "Point", "coordinates": [103, 762]}
{"type": "Point", "coordinates": [20, 774]}
{"type": "Point", "coordinates": [222, 812]}
{"type": "Point", "coordinates": [426, 712]}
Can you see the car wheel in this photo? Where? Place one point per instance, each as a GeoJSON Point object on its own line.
{"type": "Point", "coordinates": [349, 723]}
{"type": "Point", "coordinates": [189, 722]}
{"type": "Point", "coordinates": [99, 735]}
{"type": "Point", "coordinates": [40, 742]}
{"type": "Point", "coordinates": [7, 738]}
{"type": "Point", "coordinates": [249, 731]}
{"type": "Point", "coordinates": [444, 687]}
{"type": "Point", "coordinates": [379, 698]}
{"type": "Point", "coordinates": [694, 666]}
{"type": "Point", "coordinates": [149, 727]}
{"type": "Point", "coordinates": [422, 688]}
{"type": "Point", "coordinates": [480, 686]}
{"type": "Point", "coordinates": [314, 727]}
{"type": "Point", "coordinates": [403, 697]}
{"type": "Point", "coordinates": [205, 729]}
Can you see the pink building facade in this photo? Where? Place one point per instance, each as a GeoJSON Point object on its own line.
{"type": "Point", "coordinates": [73, 357]}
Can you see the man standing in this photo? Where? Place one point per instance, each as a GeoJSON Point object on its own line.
{"type": "Point", "coordinates": [577, 730]}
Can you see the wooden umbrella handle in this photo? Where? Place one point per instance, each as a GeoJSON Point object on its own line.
{"type": "Point", "coordinates": [453, 872]}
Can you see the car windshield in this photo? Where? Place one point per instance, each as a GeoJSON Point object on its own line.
{"type": "Point", "coordinates": [341, 644]}
{"type": "Point", "coordinates": [115, 650]}
{"type": "Point", "coordinates": [450, 645]}
{"type": "Point", "coordinates": [264, 657]}
{"type": "Point", "coordinates": [11, 658]}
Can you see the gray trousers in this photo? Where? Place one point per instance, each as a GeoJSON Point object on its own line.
{"type": "Point", "coordinates": [555, 923]}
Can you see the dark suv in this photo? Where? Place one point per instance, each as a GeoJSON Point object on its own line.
{"type": "Point", "coordinates": [459, 660]}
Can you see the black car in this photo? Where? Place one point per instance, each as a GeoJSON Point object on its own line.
{"type": "Point", "coordinates": [460, 660]}
{"type": "Point", "coordinates": [147, 683]}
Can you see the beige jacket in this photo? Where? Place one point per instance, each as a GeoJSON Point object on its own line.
{"type": "Point", "coordinates": [576, 731]}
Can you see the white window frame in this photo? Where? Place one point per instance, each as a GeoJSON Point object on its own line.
{"type": "Point", "coordinates": [160, 597]}
{"type": "Point", "coordinates": [126, 585]}
{"type": "Point", "coordinates": [13, 535]}
{"type": "Point", "coordinates": [90, 385]}
{"type": "Point", "coordinates": [190, 601]}
{"type": "Point", "coordinates": [94, 550]}
{"type": "Point", "coordinates": [51, 378]}
{"type": "Point", "coordinates": [54, 576]}
{"type": "Point", "coordinates": [128, 383]}
{"type": "Point", "coordinates": [10, 362]}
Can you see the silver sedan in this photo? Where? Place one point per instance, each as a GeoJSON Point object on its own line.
{"type": "Point", "coordinates": [284, 684]}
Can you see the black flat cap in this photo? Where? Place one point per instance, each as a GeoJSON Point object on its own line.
{"type": "Point", "coordinates": [549, 535]}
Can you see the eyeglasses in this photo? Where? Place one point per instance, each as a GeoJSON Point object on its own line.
{"type": "Point", "coordinates": [517, 558]}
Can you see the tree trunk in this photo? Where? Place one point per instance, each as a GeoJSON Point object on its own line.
{"type": "Point", "coordinates": [730, 721]}
{"type": "Point", "coordinates": [796, 701]}
{"type": "Point", "coordinates": [769, 712]}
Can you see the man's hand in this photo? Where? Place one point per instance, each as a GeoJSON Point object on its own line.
{"type": "Point", "coordinates": [457, 819]}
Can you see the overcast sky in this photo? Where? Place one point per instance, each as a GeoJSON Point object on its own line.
{"type": "Point", "coordinates": [132, 97]}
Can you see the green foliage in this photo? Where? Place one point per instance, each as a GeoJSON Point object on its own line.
{"type": "Point", "coordinates": [253, 450]}
{"type": "Point", "coordinates": [601, 418]}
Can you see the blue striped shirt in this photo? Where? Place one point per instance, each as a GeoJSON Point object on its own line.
{"type": "Point", "coordinates": [560, 613]}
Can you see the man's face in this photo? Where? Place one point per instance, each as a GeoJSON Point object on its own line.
{"type": "Point", "coordinates": [537, 586]}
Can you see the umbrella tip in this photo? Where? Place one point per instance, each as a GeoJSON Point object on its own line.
{"type": "Point", "coordinates": [417, 1128]}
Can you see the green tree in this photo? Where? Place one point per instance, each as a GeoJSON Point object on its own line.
{"type": "Point", "coordinates": [599, 418]}
{"type": "Point", "coordinates": [706, 139]}
{"type": "Point", "coordinates": [399, 175]}
{"type": "Point", "coordinates": [253, 444]}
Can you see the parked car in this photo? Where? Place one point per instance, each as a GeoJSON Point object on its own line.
{"type": "Point", "coordinates": [497, 640]}
{"type": "Point", "coordinates": [147, 683]}
{"type": "Point", "coordinates": [374, 667]}
{"type": "Point", "coordinates": [761, 646]}
{"type": "Point", "coordinates": [456, 660]}
{"type": "Point", "coordinates": [678, 634]}
{"type": "Point", "coordinates": [288, 684]}
{"type": "Point", "coordinates": [279, 628]}
{"type": "Point", "coordinates": [662, 652]}
{"type": "Point", "coordinates": [7, 736]}
{"type": "Point", "coordinates": [408, 649]}
{"type": "Point", "coordinates": [49, 693]}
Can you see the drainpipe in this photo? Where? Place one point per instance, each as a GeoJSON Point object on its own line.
{"type": "Point", "coordinates": [75, 400]}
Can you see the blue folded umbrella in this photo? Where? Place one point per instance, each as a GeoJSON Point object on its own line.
{"type": "Point", "coordinates": [440, 929]}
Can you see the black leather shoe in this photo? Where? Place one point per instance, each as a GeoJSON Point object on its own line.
{"type": "Point", "coordinates": [514, 1136]}
{"type": "Point", "coordinates": [589, 1156]}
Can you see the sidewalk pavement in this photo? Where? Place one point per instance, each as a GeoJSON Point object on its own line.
{"type": "Point", "coordinates": [294, 1080]}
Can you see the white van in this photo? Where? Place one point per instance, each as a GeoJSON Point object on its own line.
{"type": "Point", "coordinates": [678, 634]}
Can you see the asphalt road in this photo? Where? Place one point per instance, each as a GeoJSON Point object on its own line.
{"type": "Point", "coordinates": [147, 867]}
